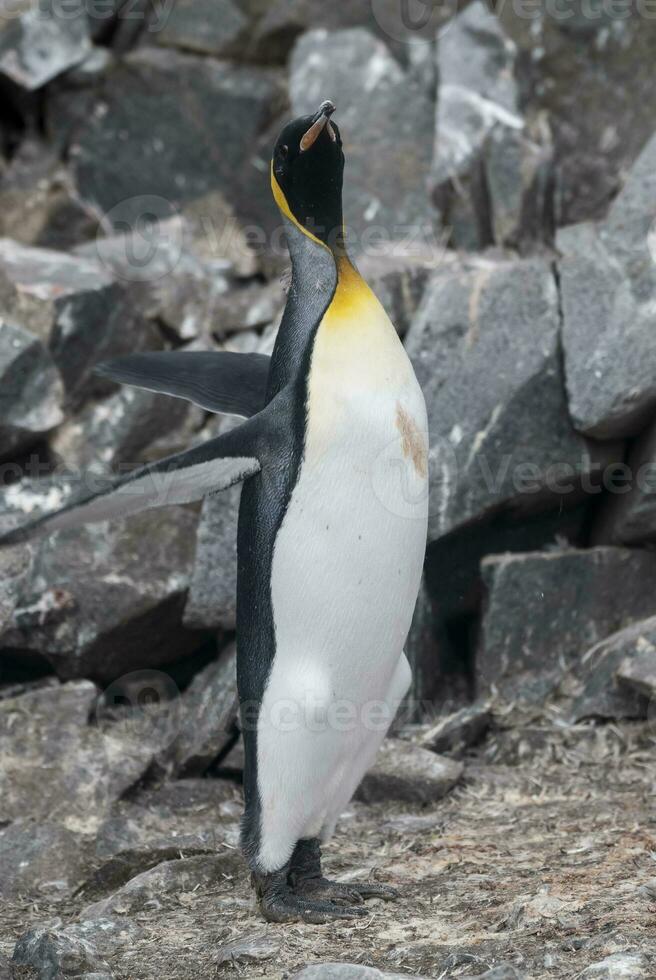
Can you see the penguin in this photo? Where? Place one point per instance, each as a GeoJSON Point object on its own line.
{"type": "Point", "coordinates": [333, 457]}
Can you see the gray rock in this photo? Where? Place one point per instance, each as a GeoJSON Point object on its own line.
{"type": "Point", "coordinates": [409, 773]}
{"type": "Point", "coordinates": [344, 971]}
{"type": "Point", "coordinates": [207, 716]}
{"type": "Point", "coordinates": [255, 949]}
{"type": "Point", "coordinates": [615, 674]}
{"type": "Point", "coordinates": [608, 285]}
{"type": "Point", "coordinates": [398, 277]}
{"type": "Point", "coordinates": [249, 307]}
{"type": "Point", "coordinates": [488, 174]}
{"type": "Point", "coordinates": [58, 767]}
{"type": "Point", "coordinates": [127, 864]}
{"type": "Point", "coordinates": [212, 601]}
{"type": "Point", "coordinates": [31, 389]}
{"type": "Point", "coordinates": [40, 859]}
{"type": "Point", "coordinates": [544, 610]}
{"type": "Point", "coordinates": [457, 732]}
{"type": "Point", "coordinates": [41, 40]}
{"type": "Point", "coordinates": [113, 434]}
{"type": "Point", "coordinates": [214, 27]}
{"type": "Point", "coordinates": [106, 599]}
{"type": "Point", "coordinates": [14, 568]}
{"type": "Point", "coordinates": [618, 966]}
{"type": "Point", "coordinates": [75, 307]}
{"type": "Point", "coordinates": [57, 955]}
{"type": "Point", "coordinates": [628, 515]}
{"type": "Point", "coordinates": [171, 128]}
{"type": "Point", "coordinates": [383, 108]}
{"type": "Point", "coordinates": [505, 971]}
{"type": "Point", "coordinates": [485, 346]}
{"type": "Point", "coordinates": [169, 878]}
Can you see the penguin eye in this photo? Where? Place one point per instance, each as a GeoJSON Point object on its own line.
{"type": "Point", "coordinates": [284, 151]}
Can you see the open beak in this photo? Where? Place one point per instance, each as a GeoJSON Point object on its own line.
{"type": "Point", "coordinates": [319, 123]}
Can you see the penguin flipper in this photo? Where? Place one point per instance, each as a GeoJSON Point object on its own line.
{"type": "Point", "coordinates": [218, 381]}
{"type": "Point", "coordinates": [181, 479]}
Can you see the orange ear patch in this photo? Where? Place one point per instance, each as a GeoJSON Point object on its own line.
{"type": "Point", "coordinates": [413, 442]}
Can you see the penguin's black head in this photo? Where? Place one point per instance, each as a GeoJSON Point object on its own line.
{"type": "Point", "coordinates": [307, 172]}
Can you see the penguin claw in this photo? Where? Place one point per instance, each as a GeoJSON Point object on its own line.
{"type": "Point", "coordinates": [355, 893]}
{"type": "Point", "coordinates": [294, 908]}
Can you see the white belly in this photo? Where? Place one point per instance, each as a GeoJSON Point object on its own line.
{"type": "Point", "coordinates": [345, 576]}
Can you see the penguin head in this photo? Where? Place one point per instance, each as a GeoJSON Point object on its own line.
{"type": "Point", "coordinates": [307, 173]}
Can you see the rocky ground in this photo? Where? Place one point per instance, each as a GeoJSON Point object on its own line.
{"type": "Point", "coordinates": [501, 200]}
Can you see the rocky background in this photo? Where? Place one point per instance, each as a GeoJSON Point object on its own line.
{"type": "Point", "coordinates": [501, 199]}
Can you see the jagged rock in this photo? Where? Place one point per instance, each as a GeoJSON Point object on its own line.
{"type": "Point", "coordinates": [31, 389]}
{"type": "Point", "coordinates": [105, 599]}
{"type": "Point", "coordinates": [114, 433]}
{"type": "Point", "coordinates": [505, 971]}
{"type": "Point", "coordinates": [628, 515]}
{"type": "Point", "coordinates": [545, 609]}
{"type": "Point", "coordinates": [487, 174]}
{"type": "Point", "coordinates": [40, 40]}
{"type": "Point", "coordinates": [612, 674]}
{"type": "Point", "coordinates": [208, 714]}
{"type": "Point", "coordinates": [344, 971]}
{"type": "Point", "coordinates": [212, 601]}
{"type": "Point", "coordinates": [485, 346]}
{"type": "Point", "coordinates": [608, 285]}
{"type": "Point", "coordinates": [571, 67]}
{"type": "Point", "coordinates": [56, 766]}
{"type": "Point", "coordinates": [247, 308]}
{"type": "Point", "coordinates": [28, 498]}
{"type": "Point", "coordinates": [457, 732]}
{"type": "Point", "coordinates": [381, 108]}
{"type": "Point", "coordinates": [403, 771]}
{"type": "Point", "coordinates": [398, 280]}
{"type": "Point", "coordinates": [255, 949]}
{"type": "Point", "coordinates": [618, 966]}
{"type": "Point", "coordinates": [73, 306]}
{"type": "Point", "coordinates": [39, 859]}
{"type": "Point", "coordinates": [37, 205]}
{"type": "Point", "coordinates": [77, 951]}
{"type": "Point", "coordinates": [127, 864]}
{"type": "Point", "coordinates": [171, 128]}
{"type": "Point", "coordinates": [170, 877]}
{"type": "Point", "coordinates": [214, 27]}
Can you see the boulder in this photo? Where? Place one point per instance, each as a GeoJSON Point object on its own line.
{"type": "Point", "coordinates": [171, 128]}
{"type": "Point", "coordinates": [628, 515]}
{"type": "Point", "coordinates": [106, 599]}
{"type": "Point", "coordinates": [608, 287]}
{"type": "Point", "coordinates": [617, 675]}
{"type": "Point", "coordinates": [626, 965]}
{"type": "Point", "coordinates": [546, 609]}
{"type": "Point", "coordinates": [486, 349]}
{"type": "Point", "coordinates": [398, 277]}
{"type": "Point", "coordinates": [386, 117]}
{"type": "Point", "coordinates": [31, 389]}
{"type": "Point", "coordinates": [457, 732]}
{"type": "Point", "coordinates": [489, 176]}
{"type": "Point", "coordinates": [40, 39]}
{"type": "Point", "coordinates": [408, 773]}
{"type": "Point", "coordinates": [344, 971]}
{"type": "Point", "coordinates": [210, 27]}
{"type": "Point", "coordinates": [212, 601]}
{"type": "Point", "coordinates": [79, 951]}
{"type": "Point", "coordinates": [40, 858]}
{"type": "Point", "coordinates": [208, 714]}
{"type": "Point", "coordinates": [75, 307]}
{"type": "Point", "coordinates": [57, 767]}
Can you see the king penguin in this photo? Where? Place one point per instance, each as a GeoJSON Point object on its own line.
{"type": "Point", "coordinates": [331, 537]}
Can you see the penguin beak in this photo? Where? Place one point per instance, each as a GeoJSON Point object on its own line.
{"type": "Point", "coordinates": [320, 122]}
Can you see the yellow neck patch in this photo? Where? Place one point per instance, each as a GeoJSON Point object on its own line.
{"type": "Point", "coordinates": [353, 301]}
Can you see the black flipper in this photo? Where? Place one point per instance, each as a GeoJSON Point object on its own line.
{"type": "Point", "coordinates": [218, 381]}
{"type": "Point", "coordinates": [180, 479]}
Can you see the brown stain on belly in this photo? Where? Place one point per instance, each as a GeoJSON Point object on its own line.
{"type": "Point", "coordinates": [412, 441]}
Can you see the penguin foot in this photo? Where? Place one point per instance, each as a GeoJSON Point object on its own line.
{"type": "Point", "coordinates": [306, 879]}
{"type": "Point", "coordinates": [279, 904]}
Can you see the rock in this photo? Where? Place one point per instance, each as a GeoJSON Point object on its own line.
{"type": "Point", "coordinates": [75, 308]}
{"type": "Point", "coordinates": [245, 951]}
{"type": "Point", "coordinates": [208, 715]}
{"type": "Point", "coordinates": [531, 633]}
{"type": "Point", "coordinates": [107, 598]}
{"type": "Point", "coordinates": [41, 40]}
{"type": "Point", "coordinates": [398, 278]}
{"type": "Point", "coordinates": [58, 767]}
{"type": "Point", "coordinates": [457, 732]}
{"type": "Point", "coordinates": [487, 172]}
{"type": "Point", "coordinates": [114, 434]}
{"type": "Point", "coordinates": [171, 128]}
{"type": "Point", "coordinates": [409, 773]}
{"type": "Point", "coordinates": [344, 971]}
{"type": "Point", "coordinates": [57, 955]}
{"type": "Point", "coordinates": [608, 284]}
{"type": "Point", "coordinates": [212, 601]}
{"type": "Point", "coordinates": [31, 389]}
{"type": "Point", "coordinates": [249, 307]}
{"type": "Point", "coordinates": [618, 966]}
{"type": "Point", "coordinates": [505, 971]}
{"type": "Point", "coordinates": [127, 864]}
{"type": "Point", "coordinates": [39, 859]}
{"type": "Point", "coordinates": [383, 108]}
{"type": "Point", "coordinates": [29, 497]}
{"type": "Point", "coordinates": [629, 514]}
{"type": "Point", "coordinates": [214, 27]}
{"type": "Point", "coordinates": [14, 568]}
{"type": "Point", "coordinates": [615, 674]}
{"type": "Point", "coordinates": [485, 347]}
{"type": "Point", "coordinates": [152, 888]}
